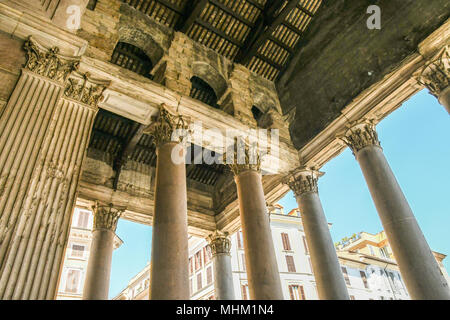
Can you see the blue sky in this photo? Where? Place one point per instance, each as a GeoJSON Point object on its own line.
{"type": "Point", "coordinates": [416, 142]}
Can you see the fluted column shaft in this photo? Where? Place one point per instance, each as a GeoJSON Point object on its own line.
{"type": "Point", "coordinates": [169, 264]}
{"type": "Point", "coordinates": [262, 269]}
{"type": "Point", "coordinates": [44, 133]}
{"type": "Point", "coordinates": [96, 285]}
{"type": "Point", "coordinates": [414, 257]}
{"type": "Point", "coordinates": [220, 246]}
{"type": "Point", "coordinates": [325, 263]}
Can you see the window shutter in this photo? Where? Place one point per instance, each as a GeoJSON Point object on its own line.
{"type": "Point", "coordinates": [239, 239]}
{"type": "Point", "coordinates": [291, 292]}
{"type": "Point", "coordinates": [244, 292]}
{"type": "Point", "coordinates": [208, 275]}
{"type": "Point", "coordinates": [305, 244]}
{"type": "Point", "coordinates": [344, 271]}
{"type": "Point", "coordinates": [244, 267]}
{"type": "Point", "coordinates": [285, 240]}
{"type": "Point", "coordinates": [302, 293]}
{"type": "Point", "coordinates": [290, 264]}
{"type": "Point", "coordinates": [199, 281]}
{"type": "Point", "coordinates": [364, 279]}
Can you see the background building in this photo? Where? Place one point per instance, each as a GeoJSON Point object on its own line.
{"type": "Point", "coordinates": [77, 254]}
{"type": "Point", "coordinates": [367, 263]}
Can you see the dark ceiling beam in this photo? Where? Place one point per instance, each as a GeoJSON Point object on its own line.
{"type": "Point", "coordinates": [269, 61]}
{"type": "Point", "coordinates": [220, 33]}
{"type": "Point", "coordinates": [281, 44]}
{"type": "Point", "coordinates": [292, 27]}
{"type": "Point", "coordinates": [305, 11]}
{"type": "Point", "coordinates": [171, 6]}
{"type": "Point", "coordinates": [256, 4]}
{"type": "Point", "coordinates": [127, 149]}
{"type": "Point", "coordinates": [264, 31]}
{"type": "Point", "coordinates": [191, 13]}
{"type": "Point", "coordinates": [232, 13]}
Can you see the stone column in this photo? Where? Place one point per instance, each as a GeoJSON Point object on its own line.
{"type": "Point", "coordinates": [327, 270]}
{"type": "Point", "coordinates": [436, 77]}
{"type": "Point", "coordinates": [169, 275]}
{"type": "Point", "coordinates": [44, 134]}
{"type": "Point", "coordinates": [96, 285]}
{"type": "Point", "coordinates": [220, 246]}
{"type": "Point", "coordinates": [261, 263]}
{"type": "Point", "coordinates": [417, 263]}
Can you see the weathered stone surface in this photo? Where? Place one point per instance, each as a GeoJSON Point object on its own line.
{"type": "Point", "coordinates": [341, 57]}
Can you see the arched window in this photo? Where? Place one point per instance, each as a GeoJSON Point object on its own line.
{"type": "Point", "coordinates": [132, 58]}
{"type": "Point", "coordinates": [257, 113]}
{"type": "Point", "coordinates": [202, 91]}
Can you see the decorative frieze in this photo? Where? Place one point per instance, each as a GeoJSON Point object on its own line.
{"type": "Point", "coordinates": [82, 88]}
{"type": "Point", "coordinates": [303, 180]}
{"type": "Point", "coordinates": [360, 136]}
{"type": "Point", "coordinates": [436, 74]}
{"type": "Point", "coordinates": [164, 126]}
{"type": "Point", "coordinates": [106, 216]}
{"type": "Point", "coordinates": [48, 62]}
{"type": "Point", "coordinates": [219, 242]}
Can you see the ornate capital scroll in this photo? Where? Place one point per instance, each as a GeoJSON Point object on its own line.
{"type": "Point", "coordinates": [436, 74]}
{"type": "Point", "coordinates": [244, 157]}
{"type": "Point", "coordinates": [360, 136]}
{"type": "Point", "coordinates": [84, 89]}
{"type": "Point", "coordinates": [165, 125]}
{"type": "Point", "coordinates": [219, 243]}
{"type": "Point", "coordinates": [303, 180]}
{"type": "Point", "coordinates": [106, 216]}
{"type": "Point", "coordinates": [48, 62]}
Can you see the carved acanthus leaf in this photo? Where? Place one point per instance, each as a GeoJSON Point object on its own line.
{"type": "Point", "coordinates": [219, 242]}
{"type": "Point", "coordinates": [436, 74]}
{"type": "Point", "coordinates": [106, 216]}
{"type": "Point", "coordinates": [303, 180]}
{"type": "Point", "coordinates": [48, 62]}
{"type": "Point", "coordinates": [361, 136]}
{"type": "Point", "coordinates": [84, 89]}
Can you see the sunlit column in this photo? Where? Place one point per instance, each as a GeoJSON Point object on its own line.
{"type": "Point", "coordinates": [96, 285]}
{"type": "Point", "coordinates": [220, 245]}
{"type": "Point", "coordinates": [169, 270]}
{"type": "Point", "coordinates": [261, 264]}
{"type": "Point", "coordinates": [417, 263]}
{"type": "Point", "coordinates": [327, 271]}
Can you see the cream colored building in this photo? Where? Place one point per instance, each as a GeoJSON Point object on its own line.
{"type": "Point", "coordinates": [77, 254]}
{"type": "Point", "coordinates": [369, 275]}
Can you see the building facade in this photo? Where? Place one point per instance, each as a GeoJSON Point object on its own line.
{"type": "Point", "coordinates": [368, 273]}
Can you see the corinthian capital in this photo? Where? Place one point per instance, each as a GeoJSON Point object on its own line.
{"type": "Point", "coordinates": [436, 74]}
{"type": "Point", "coordinates": [219, 243]}
{"type": "Point", "coordinates": [303, 180]}
{"type": "Point", "coordinates": [106, 216]}
{"type": "Point", "coordinates": [243, 157]}
{"type": "Point", "coordinates": [165, 125]}
{"type": "Point", "coordinates": [48, 62]}
{"type": "Point", "coordinates": [361, 135]}
{"type": "Point", "coordinates": [84, 89]}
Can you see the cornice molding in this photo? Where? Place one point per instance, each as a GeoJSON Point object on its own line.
{"type": "Point", "coordinates": [435, 75]}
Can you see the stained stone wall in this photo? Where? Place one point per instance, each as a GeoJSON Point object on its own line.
{"type": "Point", "coordinates": [176, 59]}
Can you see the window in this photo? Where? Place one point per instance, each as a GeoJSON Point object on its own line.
{"type": "Point", "coordinates": [244, 291]}
{"type": "Point", "coordinates": [296, 292]}
{"type": "Point", "coordinates": [199, 281]}
{"type": "Point", "coordinates": [392, 276]}
{"type": "Point", "coordinates": [209, 275]}
{"type": "Point", "coordinates": [364, 279]}
{"type": "Point", "coordinates": [198, 260]}
{"type": "Point", "coordinates": [286, 243]}
{"type": "Point", "coordinates": [305, 245]}
{"type": "Point", "coordinates": [290, 263]}
{"type": "Point", "coordinates": [344, 271]}
{"type": "Point", "coordinates": [73, 280]}
{"type": "Point", "coordinates": [207, 254]}
{"type": "Point", "coordinates": [352, 297]}
{"type": "Point", "coordinates": [202, 91]}
{"type": "Point", "coordinates": [240, 240]}
{"type": "Point", "coordinates": [371, 250]}
{"type": "Point", "coordinates": [132, 58]}
{"type": "Point", "coordinates": [384, 252]}
{"type": "Point", "coordinates": [243, 262]}
{"type": "Point", "coordinates": [191, 266]}
{"type": "Point", "coordinates": [83, 219]}
{"type": "Point", "coordinates": [77, 251]}
{"type": "Point", "coordinates": [191, 287]}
